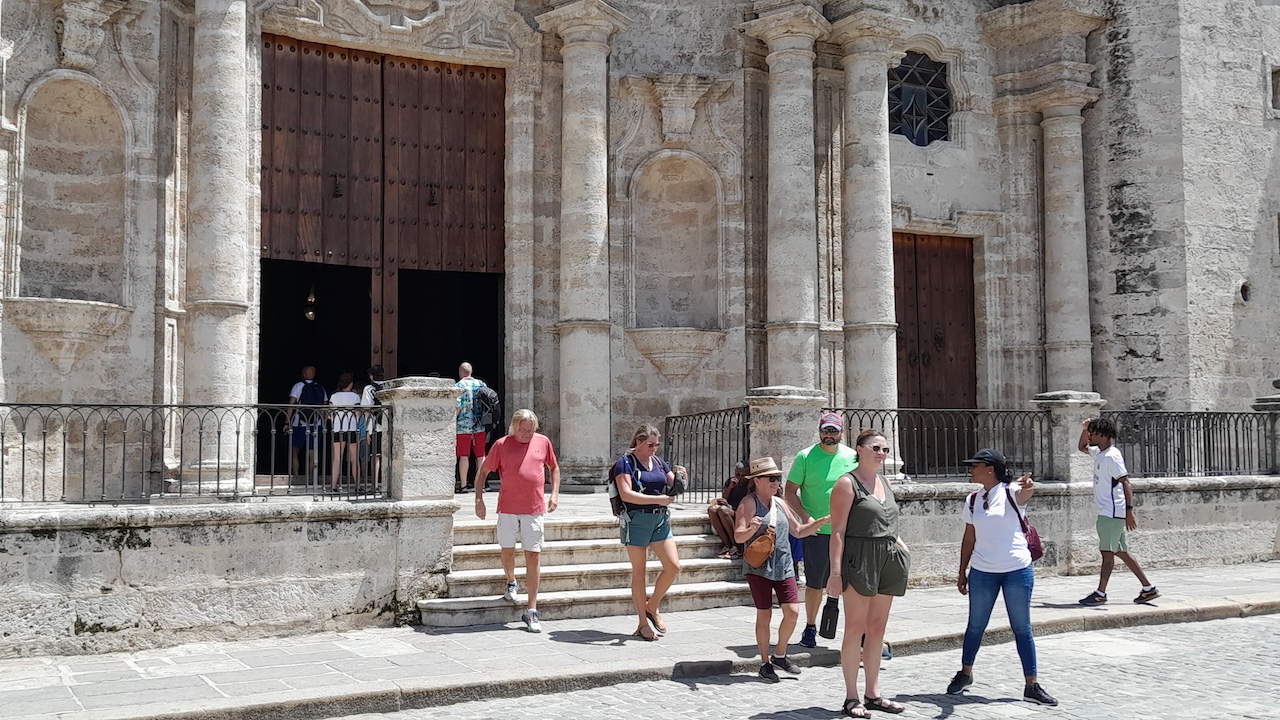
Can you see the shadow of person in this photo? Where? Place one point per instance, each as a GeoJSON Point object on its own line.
{"type": "Point", "coordinates": [593, 637]}
{"type": "Point", "coordinates": [1063, 606]}
{"type": "Point", "coordinates": [946, 703]}
{"type": "Point", "coordinates": [816, 713]}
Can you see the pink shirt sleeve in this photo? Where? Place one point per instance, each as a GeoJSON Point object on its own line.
{"type": "Point", "coordinates": [551, 453]}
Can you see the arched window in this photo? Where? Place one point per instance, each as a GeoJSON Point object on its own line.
{"type": "Point", "coordinates": [920, 100]}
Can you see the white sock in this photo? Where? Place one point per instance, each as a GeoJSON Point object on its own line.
{"type": "Point", "coordinates": [1148, 588]}
{"type": "Point", "coordinates": [1100, 593]}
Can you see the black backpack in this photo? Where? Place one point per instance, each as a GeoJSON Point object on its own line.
{"type": "Point", "coordinates": [312, 394]}
{"type": "Point", "coordinates": [489, 407]}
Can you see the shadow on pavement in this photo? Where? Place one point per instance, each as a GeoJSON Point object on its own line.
{"type": "Point", "coordinates": [809, 712]}
{"type": "Point", "coordinates": [593, 637]}
{"type": "Point", "coordinates": [946, 703]}
{"type": "Point", "coordinates": [1062, 606]}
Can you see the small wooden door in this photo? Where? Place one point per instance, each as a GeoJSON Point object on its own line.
{"type": "Point", "coordinates": [937, 349]}
{"type": "Point", "coordinates": [381, 162]}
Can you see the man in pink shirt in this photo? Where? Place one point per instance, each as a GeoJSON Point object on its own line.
{"type": "Point", "coordinates": [519, 458]}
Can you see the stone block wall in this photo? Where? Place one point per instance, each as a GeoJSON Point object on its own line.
{"type": "Point", "coordinates": [1182, 522]}
{"type": "Point", "coordinates": [90, 580]}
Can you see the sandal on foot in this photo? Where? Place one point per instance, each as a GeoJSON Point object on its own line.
{"type": "Point", "coordinates": [661, 628]}
{"type": "Point", "coordinates": [647, 638]}
{"type": "Point", "coordinates": [852, 708]}
{"type": "Point", "coordinates": [883, 705]}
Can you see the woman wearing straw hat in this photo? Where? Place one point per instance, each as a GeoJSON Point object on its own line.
{"type": "Point", "coordinates": [757, 512]}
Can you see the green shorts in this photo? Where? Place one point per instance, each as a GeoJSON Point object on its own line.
{"type": "Point", "coordinates": [1111, 535]}
{"type": "Point", "coordinates": [875, 566]}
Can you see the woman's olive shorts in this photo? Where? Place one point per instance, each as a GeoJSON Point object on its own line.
{"type": "Point", "coordinates": [875, 566]}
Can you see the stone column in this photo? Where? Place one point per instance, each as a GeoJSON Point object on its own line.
{"type": "Point", "coordinates": [218, 267]}
{"type": "Point", "coordinates": [784, 421]}
{"type": "Point", "coordinates": [870, 316]}
{"type": "Point", "coordinates": [1067, 410]}
{"type": "Point", "coordinates": [1068, 343]}
{"type": "Point", "coordinates": [421, 434]}
{"type": "Point", "coordinates": [791, 270]}
{"type": "Point", "coordinates": [584, 327]}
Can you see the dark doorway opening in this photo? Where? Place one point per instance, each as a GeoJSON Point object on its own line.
{"type": "Point", "coordinates": [447, 318]}
{"type": "Point", "coordinates": [335, 341]}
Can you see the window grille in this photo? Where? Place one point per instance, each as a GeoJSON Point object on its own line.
{"type": "Point", "coordinates": [920, 100]}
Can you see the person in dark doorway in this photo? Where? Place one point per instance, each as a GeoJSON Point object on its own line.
{"type": "Point", "coordinates": [813, 473]}
{"type": "Point", "coordinates": [519, 459]}
{"type": "Point", "coordinates": [373, 423]}
{"type": "Point", "coordinates": [1114, 496]}
{"type": "Point", "coordinates": [470, 432]}
{"type": "Point", "coordinates": [721, 510]}
{"type": "Point", "coordinates": [346, 434]}
{"type": "Point", "coordinates": [305, 425]}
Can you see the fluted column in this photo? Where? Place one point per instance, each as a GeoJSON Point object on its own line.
{"type": "Point", "coordinates": [870, 321]}
{"type": "Point", "coordinates": [791, 274]}
{"type": "Point", "coordinates": [217, 281]}
{"type": "Point", "coordinates": [585, 26]}
{"type": "Point", "coordinates": [1068, 343]}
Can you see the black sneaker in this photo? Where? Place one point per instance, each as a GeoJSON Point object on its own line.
{"type": "Point", "coordinates": [769, 674]}
{"type": "Point", "coordinates": [959, 683]}
{"type": "Point", "coordinates": [1094, 598]}
{"type": "Point", "coordinates": [1036, 694]}
{"type": "Point", "coordinates": [809, 638]}
{"type": "Point", "coordinates": [1147, 596]}
{"type": "Point", "coordinates": [784, 663]}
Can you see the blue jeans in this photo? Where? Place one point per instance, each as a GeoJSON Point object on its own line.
{"type": "Point", "coordinates": [983, 589]}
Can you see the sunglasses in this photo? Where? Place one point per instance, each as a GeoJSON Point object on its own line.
{"type": "Point", "coordinates": [652, 445]}
{"type": "Point", "coordinates": [878, 448]}
{"type": "Point", "coordinates": [829, 431]}
{"type": "Point", "coordinates": [774, 478]}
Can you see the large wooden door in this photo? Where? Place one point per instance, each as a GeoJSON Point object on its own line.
{"type": "Point", "coordinates": [937, 349]}
{"type": "Point", "coordinates": [381, 162]}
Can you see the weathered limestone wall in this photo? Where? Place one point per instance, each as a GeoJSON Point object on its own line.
{"type": "Point", "coordinates": [1231, 146]}
{"type": "Point", "coordinates": [76, 580]}
{"type": "Point", "coordinates": [1182, 522]}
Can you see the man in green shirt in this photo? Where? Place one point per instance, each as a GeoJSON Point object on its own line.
{"type": "Point", "coordinates": [809, 483]}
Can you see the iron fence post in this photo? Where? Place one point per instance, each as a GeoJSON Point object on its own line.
{"type": "Point", "coordinates": [1270, 404]}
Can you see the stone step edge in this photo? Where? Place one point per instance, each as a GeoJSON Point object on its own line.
{"type": "Point", "coordinates": [572, 597]}
{"type": "Point", "coordinates": [390, 696]}
{"type": "Point", "coordinates": [587, 544]}
{"type": "Point", "coordinates": [494, 575]}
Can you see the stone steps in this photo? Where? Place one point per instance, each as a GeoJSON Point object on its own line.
{"type": "Point", "coordinates": [574, 604]}
{"type": "Point", "coordinates": [563, 578]}
{"type": "Point", "coordinates": [576, 552]}
{"type": "Point", "coordinates": [605, 527]}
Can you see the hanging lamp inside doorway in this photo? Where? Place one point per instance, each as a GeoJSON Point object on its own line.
{"type": "Point", "coordinates": [309, 307]}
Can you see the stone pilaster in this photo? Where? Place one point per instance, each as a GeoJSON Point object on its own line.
{"type": "Point", "coordinates": [218, 248]}
{"type": "Point", "coordinates": [791, 279]}
{"type": "Point", "coordinates": [867, 38]}
{"type": "Point", "coordinates": [1067, 410]}
{"type": "Point", "coordinates": [784, 421]}
{"type": "Point", "coordinates": [585, 26]}
{"type": "Point", "coordinates": [422, 436]}
{"type": "Point", "coordinates": [1041, 60]}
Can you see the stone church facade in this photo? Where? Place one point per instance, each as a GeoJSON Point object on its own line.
{"type": "Point", "coordinates": [901, 203]}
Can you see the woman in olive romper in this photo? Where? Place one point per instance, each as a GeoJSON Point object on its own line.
{"type": "Point", "coordinates": [869, 565]}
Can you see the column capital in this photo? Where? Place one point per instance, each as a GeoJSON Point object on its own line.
{"type": "Point", "coordinates": [870, 32]}
{"type": "Point", "coordinates": [584, 21]}
{"type": "Point", "coordinates": [1040, 20]}
{"type": "Point", "coordinates": [801, 22]}
{"type": "Point", "coordinates": [1048, 89]}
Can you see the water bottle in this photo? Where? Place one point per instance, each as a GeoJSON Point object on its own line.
{"type": "Point", "coordinates": [830, 618]}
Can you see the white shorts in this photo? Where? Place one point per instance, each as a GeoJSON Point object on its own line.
{"type": "Point", "coordinates": [526, 528]}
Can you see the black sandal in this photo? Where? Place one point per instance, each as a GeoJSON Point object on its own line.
{"type": "Point", "coordinates": [660, 629]}
{"type": "Point", "coordinates": [651, 637]}
{"type": "Point", "coordinates": [883, 705]}
{"type": "Point", "coordinates": [852, 708]}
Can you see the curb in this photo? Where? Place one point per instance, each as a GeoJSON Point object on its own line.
{"type": "Point", "coordinates": [389, 697]}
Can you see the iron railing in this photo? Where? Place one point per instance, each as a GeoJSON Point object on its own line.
{"type": "Point", "coordinates": [709, 444]}
{"type": "Point", "coordinates": [1196, 444]}
{"type": "Point", "coordinates": [930, 444]}
{"type": "Point", "coordinates": [143, 453]}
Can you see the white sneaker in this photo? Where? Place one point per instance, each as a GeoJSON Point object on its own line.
{"type": "Point", "coordinates": [510, 594]}
{"type": "Point", "coordinates": [530, 619]}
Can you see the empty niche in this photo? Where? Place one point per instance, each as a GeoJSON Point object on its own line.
{"type": "Point", "coordinates": [676, 243]}
{"type": "Point", "coordinates": [73, 195]}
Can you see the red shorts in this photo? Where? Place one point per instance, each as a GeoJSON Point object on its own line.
{"type": "Point", "coordinates": [762, 589]}
{"type": "Point", "coordinates": [467, 441]}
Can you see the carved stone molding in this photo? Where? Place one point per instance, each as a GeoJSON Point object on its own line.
{"type": "Point", "coordinates": [64, 330]}
{"type": "Point", "coordinates": [79, 26]}
{"type": "Point", "coordinates": [678, 94]}
{"type": "Point", "coordinates": [799, 21]}
{"type": "Point", "coordinates": [927, 9]}
{"type": "Point", "coordinates": [871, 32]}
{"type": "Point", "coordinates": [676, 352]}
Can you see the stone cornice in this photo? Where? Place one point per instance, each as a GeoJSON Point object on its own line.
{"type": "Point", "coordinates": [79, 26]}
{"type": "Point", "coordinates": [772, 7]}
{"type": "Point", "coordinates": [1057, 95]}
{"type": "Point", "coordinates": [584, 21]}
{"type": "Point", "coordinates": [801, 21]}
{"type": "Point", "coordinates": [870, 31]}
{"type": "Point", "coordinates": [1053, 73]}
{"type": "Point", "coordinates": [1041, 19]}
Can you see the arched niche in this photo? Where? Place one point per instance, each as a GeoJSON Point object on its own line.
{"type": "Point", "coordinates": [675, 243]}
{"type": "Point", "coordinates": [72, 243]}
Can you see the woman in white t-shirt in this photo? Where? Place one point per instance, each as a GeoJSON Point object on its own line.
{"type": "Point", "coordinates": [994, 559]}
{"type": "Point", "coordinates": [346, 427]}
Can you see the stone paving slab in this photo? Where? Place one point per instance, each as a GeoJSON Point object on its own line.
{"type": "Point", "coordinates": [390, 669]}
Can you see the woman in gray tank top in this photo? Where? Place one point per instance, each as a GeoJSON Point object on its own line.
{"type": "Point", "coordinates": [757, 511]}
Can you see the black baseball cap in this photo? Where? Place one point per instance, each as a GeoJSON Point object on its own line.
{"type": "Point", "coordinates": [987, 456]}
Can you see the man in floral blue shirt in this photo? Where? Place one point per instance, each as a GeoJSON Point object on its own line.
{"type": "Point", "coordinates": [470, 433]}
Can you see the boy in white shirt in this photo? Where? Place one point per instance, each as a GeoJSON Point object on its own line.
{"type": "Point", "coordinates": [1114, 496]}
